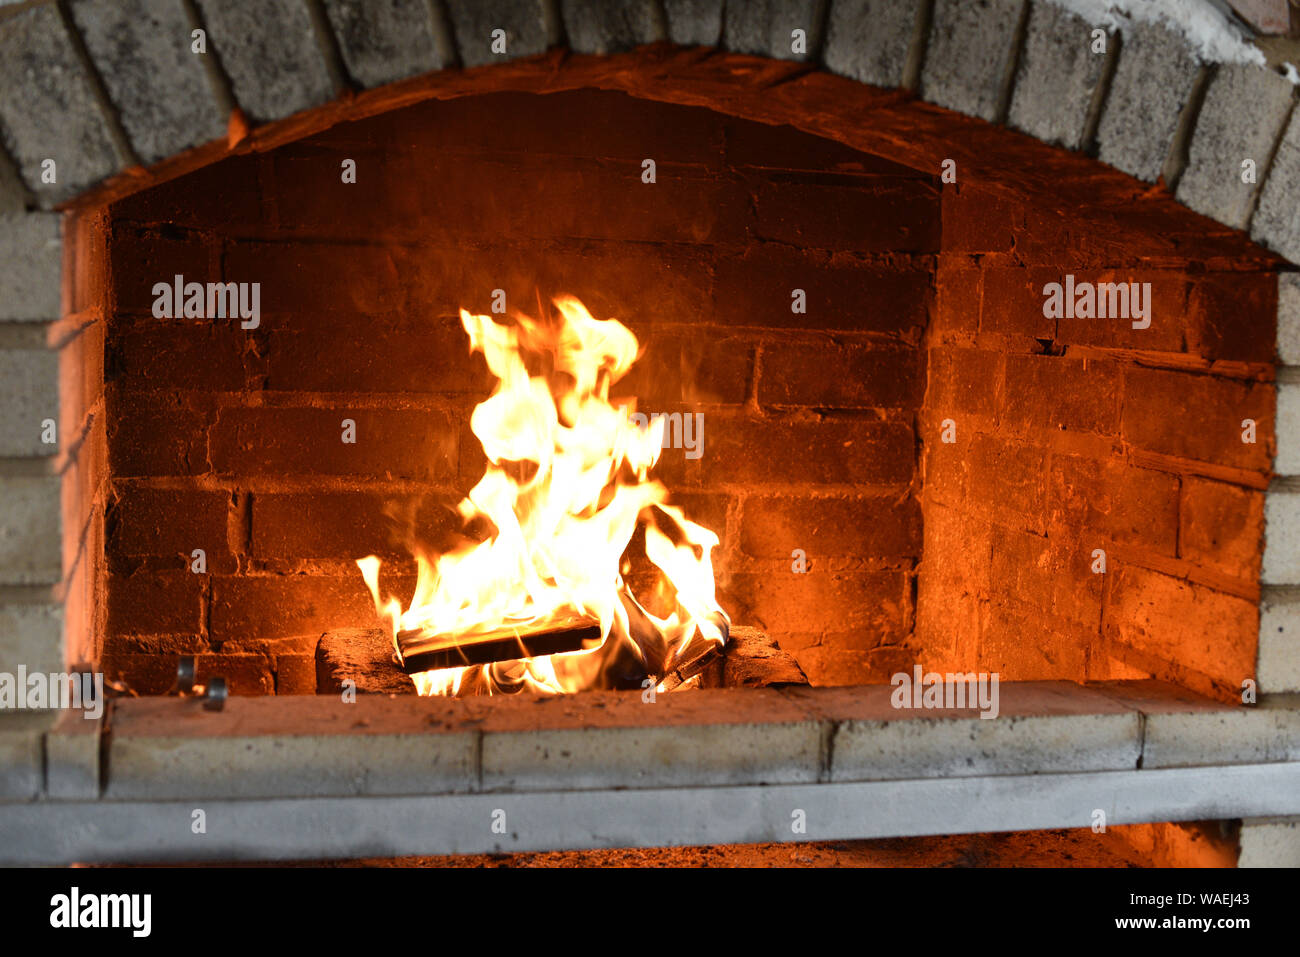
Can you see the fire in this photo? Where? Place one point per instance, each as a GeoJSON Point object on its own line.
{"type": "Point", "coordinates": [566, 488]}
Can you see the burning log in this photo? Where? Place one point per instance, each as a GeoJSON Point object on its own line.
{"type": "Point", "coordinates": [750, 659]}
{"type": "Point", "coordinates": [421, 652]}
{"type": "Point", "coordinates": [753, 660]}
{"type": "Point", "coordinates": [363, 656]}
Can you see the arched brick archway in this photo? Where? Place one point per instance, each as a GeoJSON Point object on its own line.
{"type": "Point", "coordinates": [1009, 90]}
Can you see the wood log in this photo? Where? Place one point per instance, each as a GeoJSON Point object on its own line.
{"type": "Point", "coordinates": [750, 659]}
{"type": "Point", "coordinates": [422, 652]}
{"type": "Point", "coordinates": [364, 656]}
{"type": "Point", "coordinates": [753, 660]}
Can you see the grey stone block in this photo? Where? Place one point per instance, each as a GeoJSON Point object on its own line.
{"type": "Point", "coordinates": [749, 736]}
{"type": "Point", "coordinates": [1278, 666]}
{"type": "Point", "coordinates": [31, 635]}
{"type": "Point", "coordinates": [29, 530]}
{"type": "Point", "coordinates": [29, 394]}
{"type": "Point", "coordinates": [1040, 727]}
{"type": "Point", "coordinates": [171, 748]}
{"type": "Point", "coordinates": [384, 40]}
{"type": "Point", "coordinates": [31, 266]}
{"type": "Point", "coordinates": [13, 193]}
{"type": "Point", "coordinates": [1288, 318]}
{"type": "Point", "coordinates": [21, 753]}
{"type": "Point", "coordinates": [1057, 76]}
{"type": "Point", "coordinates": [1281, 539]}
{"type": "Point", "coordinates": [766, 28]}
{"type": "Point", "coordinates": [1277, 219]}
{"type": "Point", "coordinates": [610, 26]}
{"type": "Point", "coordinates": [270, 53]}
{"type": "Point", "coordinates": [141, 48]}
{"type": "Point", "coordinates": [524, 22]}
{"type": "Point", "coordinates": [869, 40]}
{"type": "Point", "coordinates": [72, 756]}
{"type": "Point", "coordinates": [1240, 119]}
{"type": "Point", "coordinates": [1153, 78]}
{"type": "Point", "coordinates": [969, 49]}
{"type": "Point", "coordinates": [1269, 731]}
{"type": "Point", "coordinates": [48, 110]}
{"type": "Point", "coordinates": [1270, 842]}
{"type": "Point", "coordinates": [1287, 426]}
{"type": "Point", "coordinates": [694, 22]}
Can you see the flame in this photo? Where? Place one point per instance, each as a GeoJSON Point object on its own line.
{"type": "Point", "coordinates": [565, 490]}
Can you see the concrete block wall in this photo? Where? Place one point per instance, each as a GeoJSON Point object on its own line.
{"type": "Point", "coordinates": [31, 438]}
{"type": "Point", "coordinates": [1279, 626]}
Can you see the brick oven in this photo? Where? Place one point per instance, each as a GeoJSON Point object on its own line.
{"type": "Point", "coordinates": [972, 337]}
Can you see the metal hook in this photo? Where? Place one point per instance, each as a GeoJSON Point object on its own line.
{"type": "Point", "coordinates": [185, 671]}
{"type": "Point", "coordinates": [214, 696]}
{"type": "Point", "coordinates": [214, 693]}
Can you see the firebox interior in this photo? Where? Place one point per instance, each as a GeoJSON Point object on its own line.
{"type": "Point", "coordinates": [905, 456]}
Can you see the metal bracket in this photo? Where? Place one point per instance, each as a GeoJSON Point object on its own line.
{"type": "Point", "coordinates": [214, 693]}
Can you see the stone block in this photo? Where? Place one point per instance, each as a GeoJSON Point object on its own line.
{"type": "Point", "coordinates": [1287, 461]}
{"type": "Point", "coordinates": [766, 28]}
{"type": "Point", "coordinates": [969, 49]}
{"type": "Point", "coordinates": [256, 747]}
{"type": "Point", "coordinates": [1281, 539]}
{"type": "Point", "coordinates": [1244, 734]}
{"type": "Point", "coordinates": [142, 50]}
{"type": "Point", "coordinates": [1152, 81]}
{"type": "Point", "coordinates": [1056, 77]}
{"type": "Point", "coordinates": [1240, 119]}
{"type": "Point", "coordinates": [1288, 318]}
{"type": "Point", "coordinates": [270, 52]}
{"type": "Point", "coordinates": [72, 756]}
{"type": "Point", "coordinates": [1278, 668]}
{"type": "Point", "coordinates": [31, 635]}
{"type": "Point", "coordinates": [29, 395]}
{"type": "Point", "coordinates": [384, 41]}
{"type": "Point", "coordinates": [610, 26]}
{"type": "Point", "coordinates": [48, 111]}
{"type": "Point", "coordinates": [29, 530]}
{"type": "Point", "coordinates": [1276, 224]}
{"type": "Point", "coordinates": [694, 22]}
{"type": "Point", "coordinates": [31, 266]}
{"type": "Point", "coordinates": [1270, 842]}
{"type": "Point", "coordinates": [21, 753]}
{"type": "Point", "coordinates": [527, 30]}
{"type": "Point", "coordinates": [1039, 727]}
{"type": "Point", "coordinates": [869, 40]}
{"type": "Point", "coordinates": [716, 737]}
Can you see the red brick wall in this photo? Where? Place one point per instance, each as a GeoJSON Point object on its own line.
{"type": "Point", "coordinates": [229, 440]}
{"type": "Point", "coordinates": [1082, 434]}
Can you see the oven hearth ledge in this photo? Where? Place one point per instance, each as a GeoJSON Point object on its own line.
{"type": "Point", "coordinates": [314, 777]}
